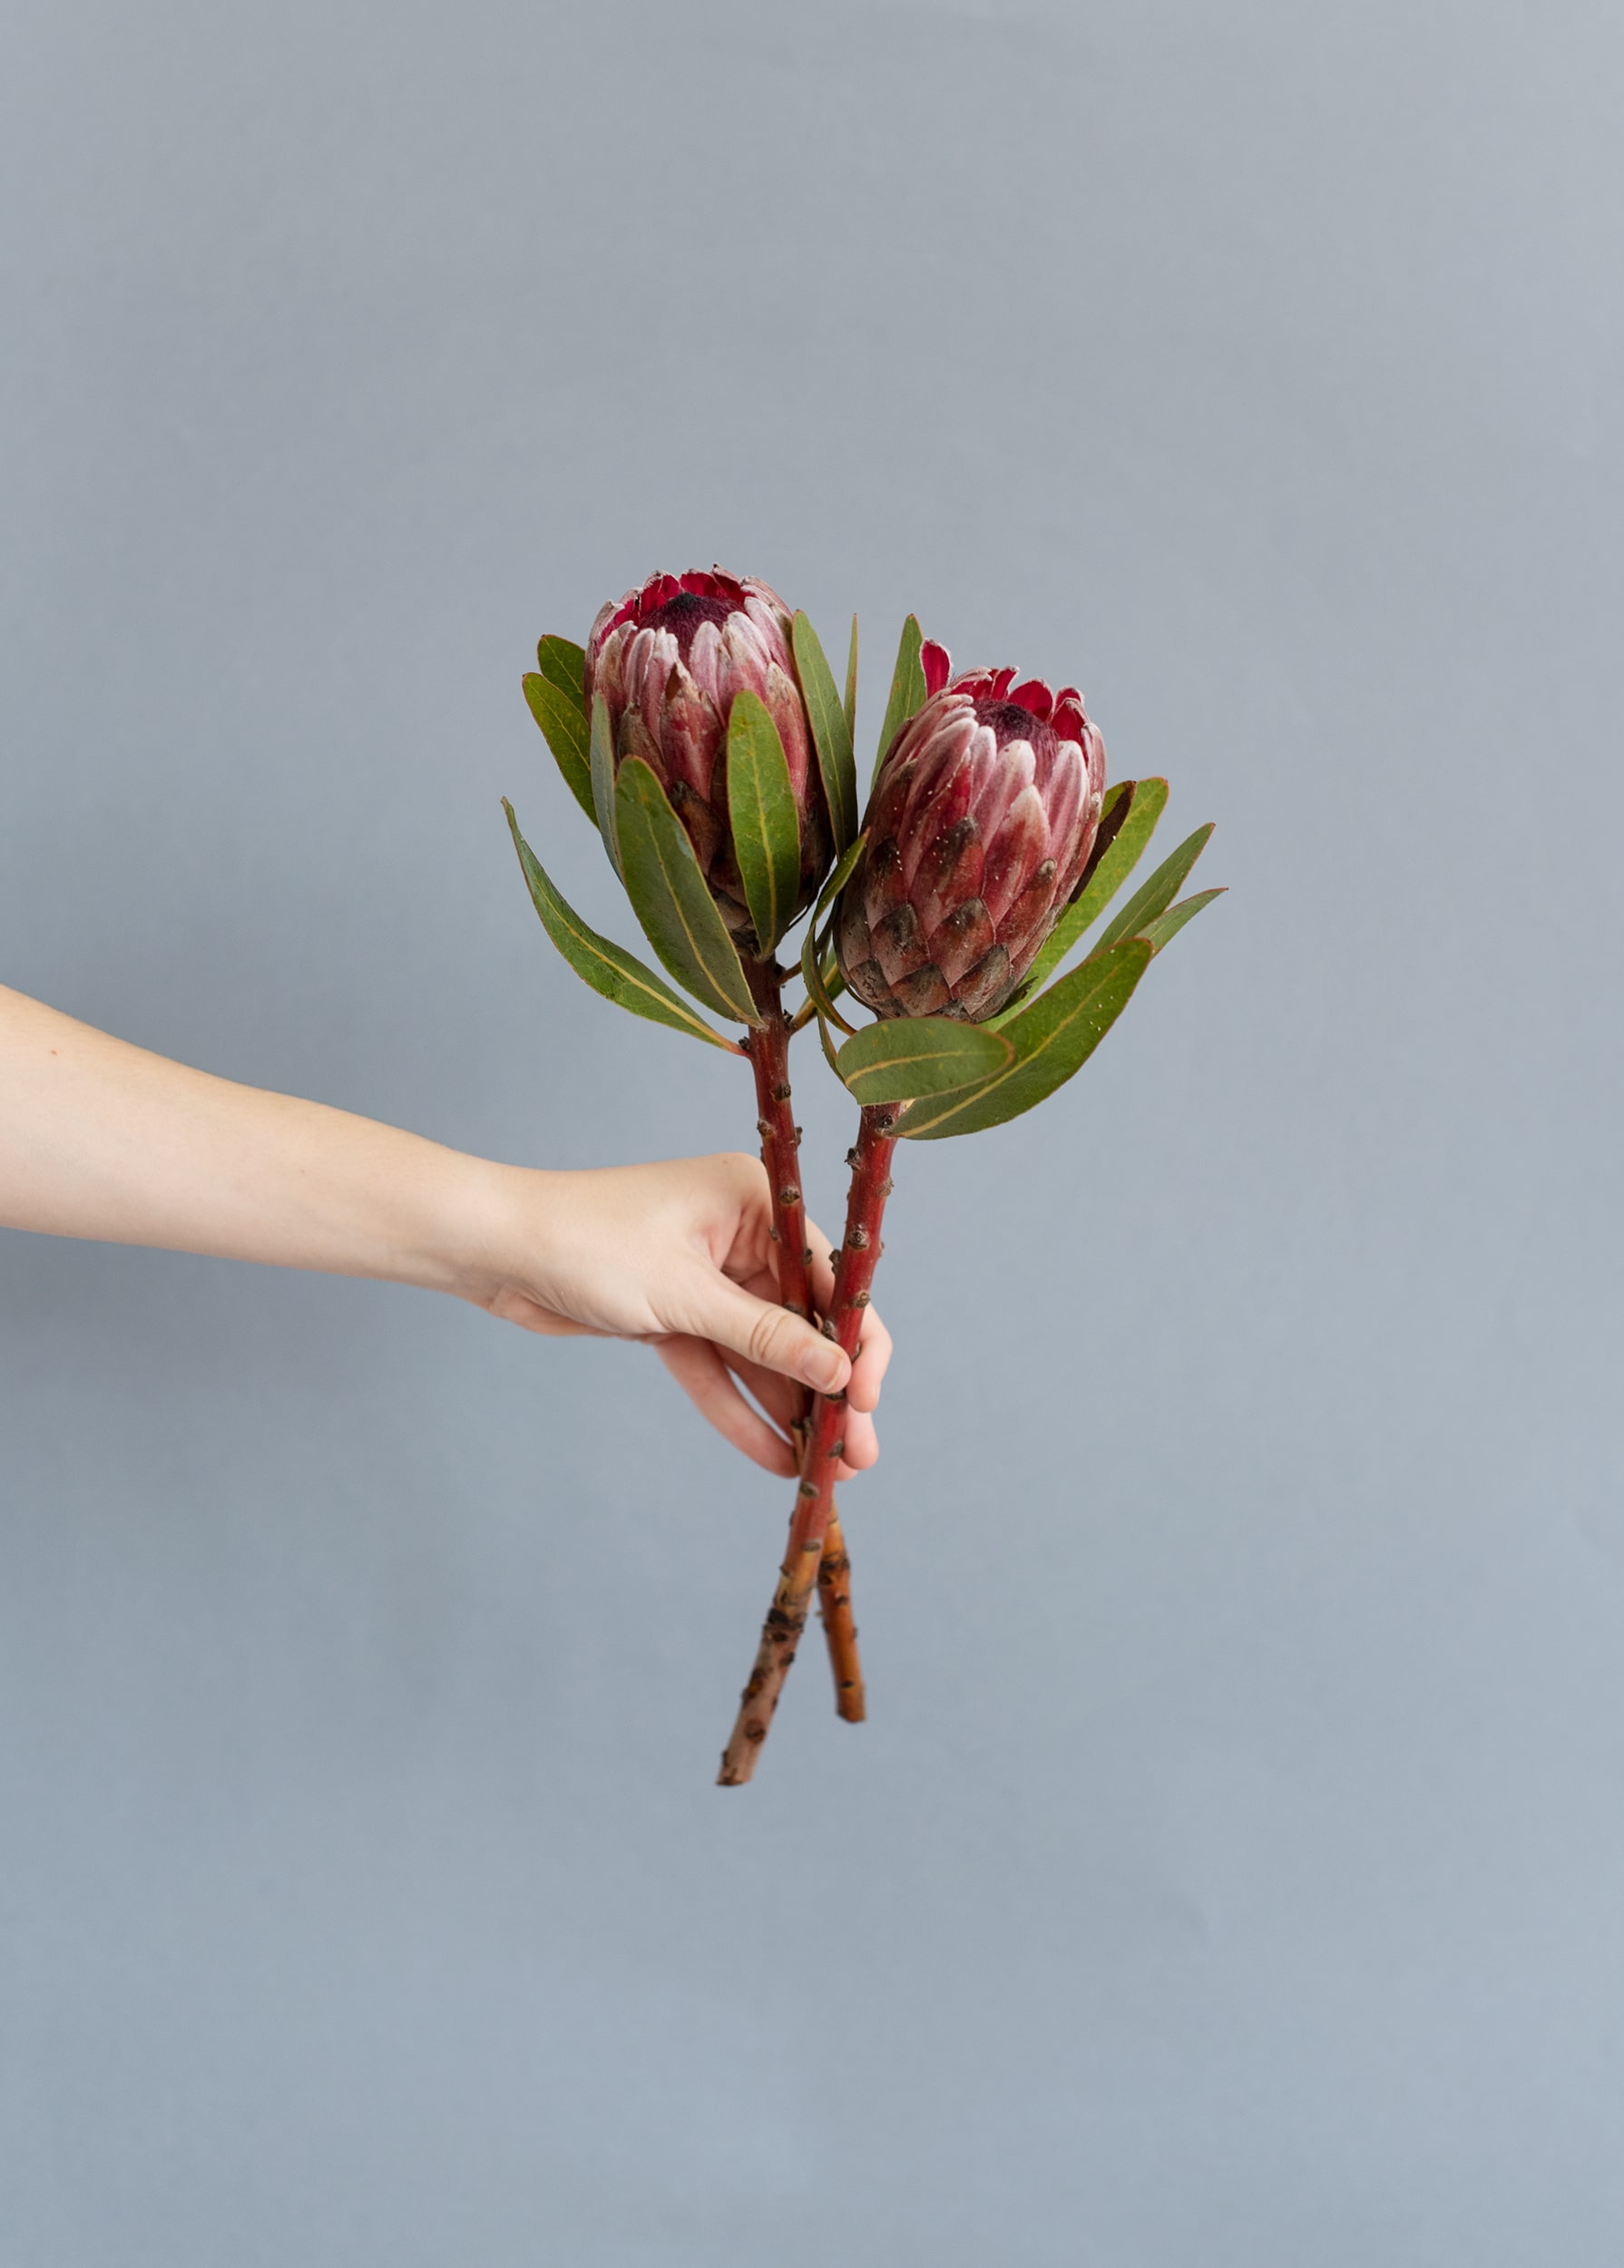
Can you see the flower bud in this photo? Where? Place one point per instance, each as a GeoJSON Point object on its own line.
{"type": "Point", "coordinates": [668, 660]}
{"type": "Point", "coordinates": [981, 823]}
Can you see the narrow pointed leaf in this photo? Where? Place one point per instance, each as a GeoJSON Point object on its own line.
{"type": "Point", "coordinates": [851, 686]}
{"type": "Point", "coordinates": [1162, 932]}
{"type": "Point", "coordinates": [919, 1055]}
{"type": "Point", "coordinates": [1151, 903]}
{"type": "Point", "coordinates": [827, 1046]}
{"type": "Point", "coordinates": [819, 990]}
{"type": "Point", "coordinates": [1051, 1040]}
{"type": "Point", "coordinates": [831, 734]}
{"type": "Point", "coordinates": [766, 832]}
{"type": "Point", "coordinates": [601, 757]}
{"type": "Point", "coordinates": [670, 898]}
{"type": "Point", "coordinates": [620, 976]}
{"type": "Point", "coordinates": [907, 687]}
{"type": "Point", "coordinates": [1124, 838]}
{"type": "Point", "coordinates": [563, 728]}
{"type": "Point", "coordinates": [563, 664]}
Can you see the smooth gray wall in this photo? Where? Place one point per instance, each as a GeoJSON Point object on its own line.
{"type": "Point", "coordinates": [1233, 1869]}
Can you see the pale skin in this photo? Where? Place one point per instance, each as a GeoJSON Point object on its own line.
{"type": "Point", "coordinates": [101, 1139]}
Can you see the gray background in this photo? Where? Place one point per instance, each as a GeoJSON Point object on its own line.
{"type": "Point", "coordinates": [1233, 1871]}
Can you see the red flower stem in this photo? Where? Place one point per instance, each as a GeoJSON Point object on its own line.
{"type": "Point", "coordinates": [768, 1047]}
{"type": "Point", "coordinates": [815, 1494]}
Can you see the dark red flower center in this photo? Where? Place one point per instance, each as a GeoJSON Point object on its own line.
{"type": "Point", "coordinates": [1010, 722]}
{"type": "Point", "coordinates": [683, 615]}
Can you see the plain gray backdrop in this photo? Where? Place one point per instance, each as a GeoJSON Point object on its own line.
{"type": "Point", "coordinates": [1232, 1871]}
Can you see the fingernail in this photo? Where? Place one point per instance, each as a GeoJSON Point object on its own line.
{"type": "Point", "coordinates": [825, 1366]}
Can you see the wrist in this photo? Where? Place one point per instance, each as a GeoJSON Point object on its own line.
{"type": "Point", "coordinates": [484, 1229]}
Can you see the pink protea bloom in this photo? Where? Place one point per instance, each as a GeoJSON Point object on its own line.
{"type": "Point", "coordinates": [979, 828]}
{"type": "Point", "coordinates": [668, 660]}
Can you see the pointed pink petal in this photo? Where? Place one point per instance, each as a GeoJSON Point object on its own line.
{"type": "Point", "coordinates": [769, 619]}
{"type": "Point", "coordinates": [784, 703]}
{"type": "Point", "coordinates": [1008, 775]}
{"type": "Point", "coordinates": [1030, 918]}
{"type": "Point", "coordinates": [1021, 845]}
{"type": "Point", "coordinates": [743, 660]}
{"type": "Point", "coordinates": [948, 875]}
{"type": "Point", "coordinates": [690, 733]}
{"type": "Point", "coordinates": [704, 661]}
{"type": "Point", "coordinates": [987, 988]}
{"type": "Point", "coordinates": [1062, 794]}
{"type": "Point", "coordinates": [1034, 696]}
{"type": "Point", "coordinates": [941, 794]}
{"type": "Point", "coordinates": [963, 939]}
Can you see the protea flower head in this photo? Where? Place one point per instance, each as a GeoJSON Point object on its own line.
{"type": "Point", "coordinates": [668, 660]}
{"type": "Point", "coordinates": [981, 823]}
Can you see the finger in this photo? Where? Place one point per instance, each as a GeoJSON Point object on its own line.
{"type": "Point", "coordinates": [873, 1348]}
{"type": "Point", "coordinates": [783, 1398]}
{"type": "Point", "coordinates": [862, 1447]}
{"type": "Point", "coordinates": [703, 1377]}
{"type": "Point", "coordinates": [873, 1356]}
{"type": "Point", "coordinates": [823, 1267]}
{"type": "Point", "coordinates": [783, 1402]}
{"type": "Point", "coordinates": [707, 1305]}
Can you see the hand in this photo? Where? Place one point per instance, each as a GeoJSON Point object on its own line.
{"type": "Point", "coordinates": [679, 1256]}
{"type": "Point", "coordinates": [99, 1139]}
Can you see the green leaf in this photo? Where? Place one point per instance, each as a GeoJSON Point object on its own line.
{"type": "Point", "coordinates": [851, 687]}
{"type": "Point", "coordinates": [907, 687]}
{"type": "Point", "coordinates": [1162, 932]}
{"type": "Point", "coordinates": [563, 728]}
{"type": "Point", "coordinates": [618, 976]}
{"type": "Point", "coordinates": [1147, 904]}
{"type": "Point", "coordinates": [669, 897]}
{"type": "Point", "coordinates": [1121, 839]}
{"type": "Point", "coordinates": [602, 776]}
{"type": "Point", "coordinates": [819, 990]}
{"type": "Point", "coordinates": [563, 664]}
{"type": "Point", "coordinates": [831, 734]}
{"type": "Point", "coordinates": [767, 831]}
{"type": "Point", "coordinates": [1051, 1040]}
{"type": "Point", "coordinates": [827, 1046]}
{"type": "Point", "coordinates": [919, 1055]}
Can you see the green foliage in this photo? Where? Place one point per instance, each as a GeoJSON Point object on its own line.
{"type": "Point", "coordinates": [1051, 1040]}
{"type": "Point", "coordinates": [563, 664]}
{"type": "Point", "coordinates": [851, 689]}
{"type": "Point", "coordinates": [820, 991]}
{"type": "Point", "coordinates": [670, 896]}
{"type": "Point", "coordinates": [564, 729]}
{"type": "Point", "coordinates": [831, 734]}
{"type": "Point", "coordinates": [907, 687]}
{"type": "Point", "coordinates": [906, 1056]}
{"type": "Point", "coordinates": [1125, 834]}
{"type": "Point", "coordinates": [1162, 932]}
{"type": "Point", "coordinates": [767, 831]}
{"type": "Point", "coordinates": [602, 748]}
{"type": "Point", "coordinates": [1147, 904]}
{"type": "Point", "coordinates": [618, 975]}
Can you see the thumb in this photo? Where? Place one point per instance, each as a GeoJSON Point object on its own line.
{"type": "Point", "coordinates": [717, 1308]}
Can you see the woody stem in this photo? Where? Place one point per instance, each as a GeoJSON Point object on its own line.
{"type": "Point", "coordinates": [768, 1046]}
{"type": "Point", "coordinates": [815, 1493]}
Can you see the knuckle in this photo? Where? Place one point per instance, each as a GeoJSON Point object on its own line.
{"type": "Point", "coordinates": [766, 1337]}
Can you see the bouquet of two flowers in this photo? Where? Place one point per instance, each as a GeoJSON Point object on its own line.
{"type": "Point", "coordinates": [703, 734]}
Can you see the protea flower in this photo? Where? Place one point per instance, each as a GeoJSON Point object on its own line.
{"type": "Point", "coordinates": [668, 660]}
{"type": "Point", "coordinates": [979, 828]}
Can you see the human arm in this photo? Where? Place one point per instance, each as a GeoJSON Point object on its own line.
{"type": "Point", "coordinates": [100, 1139]}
